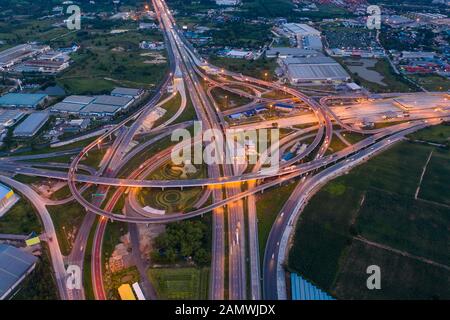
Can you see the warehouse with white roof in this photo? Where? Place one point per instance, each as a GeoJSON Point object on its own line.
{"type": "Point", "coordinates": [102, 105]}
{"type": "Point", "coordinates": [314, 70]}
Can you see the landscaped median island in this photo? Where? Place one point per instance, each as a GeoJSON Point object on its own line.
{"type": "Point", "coordinates": [381, 213]}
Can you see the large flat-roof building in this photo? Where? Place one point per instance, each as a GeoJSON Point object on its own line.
{"type": "Point", "coordinates": [314, 70]}
{"type": "Point", "coordinates": [43, 66]}
{"type": "Point", "coordinates": [228, 2]}
{"type": "Point", "coordinates": [23, 100]}
{"type": "Point", "coordinates": [311, 42]}
{"type": "Point", "coordinates": [103, 105]}
{"type": "Point", "coordinates": [288, 52]}
{"type": "Point", "coordinates": [100, 109]}
{"type": "Point", "coordinates": [31, 125]}
{"type": "Point", "coordinates": [300, 29]}
{"type": "Point", "coordinates": [127, 92]}
{"type": "Point", "coordinates": [306, 36]}
{"type": "Point", "coordinates": [83, 100]}
{"type": "Point", "coordinates": [11, 56]}
{"type": "Point", "coordinates": [7, 199]}
{"type": "Point", "coordinates": [66, 107]}
{"type": "Point", "coordinates": [15, 265]}
{"type": "Point", "coordinates": [304, 290]}
{"type": "Point", "coordinates": [9, 116]}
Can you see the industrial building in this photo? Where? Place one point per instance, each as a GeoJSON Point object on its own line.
{"type": "Point", "coordinates": [416, 55]}
{"type": "Point", "coordinates": [31, 125]}
{"type": "Point", "coordinates": [288, 52]}
{"type": "Point", "coordinates": [303, 290]}
{"type": "Point", "coordinates": [228, 2]}
{"type": "Point", "coordinates": [300, 29]}
{"type": "Point", "coordinates": [127, 92]}
{"type": "Point", "coordinates": [43, 66]}
{"type": "Point", "coordinates": [103, 105]}
{"type": "Point", "coordinates": [15, 265]}
{"type": "Point", "coordinates": [311, 43]}
{"type": "Point", "coordinates": [99, 109]}
{"type": "Point", "coordinates": [395, 21]}
{"type": "Point", "coordinates": [23, 100]}
{"type": "Point", "coordinates": [314, 70]}
{"type": "Point", "coordinates": [14, 55]}
{"type": "Point", "coordinates": [240, 54]}
{"type": "Point", "coordinates": [7, 199]}
{"type": "Point", "coordinates": [306, 36]}
{"type": "Point", "coordinates": [8, 117]}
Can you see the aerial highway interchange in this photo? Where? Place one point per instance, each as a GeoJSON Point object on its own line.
{"type": "Point", "coordinates": [232, 186]}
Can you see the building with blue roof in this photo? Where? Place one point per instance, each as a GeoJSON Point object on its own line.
{"type": "Point", "coordinates": [23, 100]}
{"type": "Point", "coordinates": [283, 107]}
{"type": "Point", "coordinates": [304, 290]}
{"type": "Point", "coordinates": [287, 156]}
{"type": "Point", "coordinates": [236, 116]}
{"type": "Point", "coordinates": [15, 265]}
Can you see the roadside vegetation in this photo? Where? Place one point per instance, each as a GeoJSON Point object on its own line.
{"type": "Point", "coordinates": [67, 219]}
{"type": "Point", "coordinates": [184, 241]}
{"type": "Point", "coordinates": [253, 68]}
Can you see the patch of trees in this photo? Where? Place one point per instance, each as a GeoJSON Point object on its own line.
{"type": "Point", "coordinates": [183, 240]}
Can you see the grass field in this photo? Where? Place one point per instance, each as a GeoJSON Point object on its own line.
{"type": "Point", "coordinates": [136, 161]}
{"type": "Point", "coordinates": [401, 277]}
{"type": "Point", "coordinates": [375, 202]}
{"type": "Point", "coordinates": [113, 60]}
{"type": "Point", "coordinates": [94, 157]}
{"type": "Point", "coordinates": [336, 145]}
{"type": "Point", "coordinates": [417, 227]}
{"type": "Point", "coordinates": [253, 68]}
{"type": "Point", "coordinates": [180, 283]}
{"type": "Point", "coordinates": [268, 206]}
{"type": "Point", "coordinates": [394, 82]}
{"type": "Point", "coordinates": [61, 193]}
{"type": "Point", "coordinates": [21, 219]}
{"type": "Point", "coordinates": [431, 82]}
{"type": "Point", "coordinates": [87, 274]}
{"type": "Point", "coordinates": [67, 219]}
{"type": "Point", "coordinates": [439, 134]}
{"type": "Point", "coordinates": [435, 181]}
{"type": "Point", "coordinates": [353, 137]}
{"type": "Point", "coordinates": [113, 232]}
{"type": "Point", "coordinates": [228, 100]}
{"type": "Point", "coordinates": [171, 108]}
